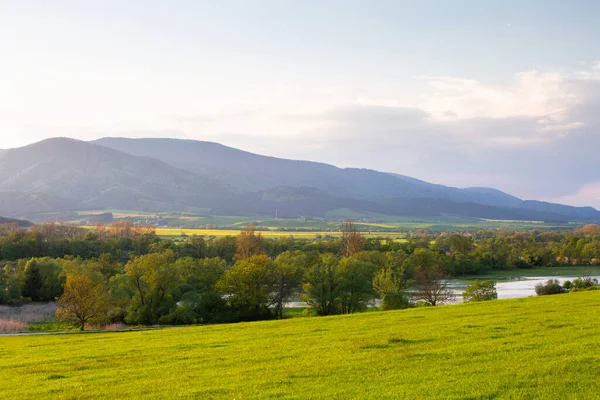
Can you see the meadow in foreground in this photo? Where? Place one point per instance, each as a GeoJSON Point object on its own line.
{"type": "Point", "coordinates": [544, 347]}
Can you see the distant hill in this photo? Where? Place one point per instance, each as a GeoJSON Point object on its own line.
{"type": "Point", "coordinates": [20, 222]}
{"type": "Point", "coordinates": [252, 172]}
{"type": "Point", "coordinates": [64, 174]}
{"type": "Point", "coordinates": [244, 171]}
{"type": "Point", "coordinates": [157, 175]}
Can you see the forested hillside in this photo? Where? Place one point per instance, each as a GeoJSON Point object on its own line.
{"type": "Point", "coordinates": [163, 175]}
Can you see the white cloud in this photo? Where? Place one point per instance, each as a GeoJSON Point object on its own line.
{"type": "Point", "coordinates": [586, 195]}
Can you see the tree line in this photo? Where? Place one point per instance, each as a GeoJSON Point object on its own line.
{"type": "Point", "coordinates": [130, 275]}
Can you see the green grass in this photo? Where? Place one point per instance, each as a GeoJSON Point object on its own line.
{"type": "Point", "coordinates": [50, 327]}
{"type": "Point", "coordinates": [544, 348]}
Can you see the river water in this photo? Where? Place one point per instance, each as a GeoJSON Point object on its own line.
{"type": "Point", "coordinates": [525, 286]}
{"type": "Point", "coordinates": [507, 289]}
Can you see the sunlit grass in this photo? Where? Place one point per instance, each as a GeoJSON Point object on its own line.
{"type": "Point", "coordinates": [545, 347]}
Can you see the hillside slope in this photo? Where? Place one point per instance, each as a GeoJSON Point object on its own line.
{"type": "Point", "coordinates": [254, 173]}
{"type": "Point", "coordinates": [80, 175]}
{"type": "Point", "coordinates": [542, 348]}
{"type": "Point", "coordinates": [62, 175]}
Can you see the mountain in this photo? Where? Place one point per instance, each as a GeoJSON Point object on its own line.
{"type": "Point", "coordinates": [252, 172]}
{"type": "Point", "coordinates": [244, 171]}
{"type": "Point", "coordinates": [158, 175]}
{"type": "Point", "coordinates": [65, 174]}
{"type": "Point", "coordinates": [20, 222]}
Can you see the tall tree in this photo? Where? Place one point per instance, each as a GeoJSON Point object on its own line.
{"type": "Point", "coordinates": [352, 240]}
{"type": "Point", "coordinates": [83, 301]}
{"type": "Point", "coordinates": [289, 267]}
{"type": "Point", "coordinates": [356, 285]}
{"type": "Point", "coordinates": [431, 281]}
{"type": "Point", "coordinates": [152, 278]}
{"type": "Point", "coordinates": [249, 285]}
{"type": "Point", "coordinates": [248, 243]}
{"type": "Point", "coordinates": [322, 285]}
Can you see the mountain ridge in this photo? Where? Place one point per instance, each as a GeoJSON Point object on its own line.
{"type": "Point", "coordinates": [159, 175]}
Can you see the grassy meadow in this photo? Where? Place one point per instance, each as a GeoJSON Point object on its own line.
{"type": "Point", "coordinates": [542, 347]}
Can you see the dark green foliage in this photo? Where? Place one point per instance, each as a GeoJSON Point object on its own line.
{"type": "Point", "coordinates": [584, 283]}
{"type": "Point", "coordinates": [322, 285]}
{"type": "Point", "coordinates": [395, 301]}
{"type": "Point", "coordinates": [552, 286]}
{"type": "Point", "coordinates": [43, 279]}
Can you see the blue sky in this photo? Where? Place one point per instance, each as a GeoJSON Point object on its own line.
{"type": "Point", "coordinates": [466, 93]}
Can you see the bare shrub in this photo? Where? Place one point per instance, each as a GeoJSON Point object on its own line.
{"type": "Point", "coordinates": [29, 312]}
{"type": "Point", "coordinates": [7, 325]}
{"type": "Point", "coordinates": [109, 327]}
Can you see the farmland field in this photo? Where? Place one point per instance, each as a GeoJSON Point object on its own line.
{"type": "Point", "coordinates": [383, 225]}
{"type": "Point", "coordinates": [543, 347]}
{"type": "Point", "coordinates": [174, 232]}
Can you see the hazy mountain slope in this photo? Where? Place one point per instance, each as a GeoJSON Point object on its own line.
{"type": "Point", "coordinates": [291, 202]}
{"type": "Point", "coordinates": [61, 175]}
{"type": "Point", "coordinates": [18, 204]}
{"type": "Point", "coordinates": [20, 222]}
{"type": "Point", "coordinates": [244, 171]}
{"type": "Point", "coordinates": [248, 171]}
{"type": "Point", "coordinates": [94, 176]}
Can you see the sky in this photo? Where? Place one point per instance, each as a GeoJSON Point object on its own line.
{"type": "Point", "coordinates": [502, 94]}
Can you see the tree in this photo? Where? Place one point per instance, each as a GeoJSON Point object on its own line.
{"type": "Point", "coordinates": [249, 285]}
{"type": "Point", "coordinates": [152, 278]}
{"type": "Point", "coordinates": [356, 285]}
{"type": "Point", "coordinates": [289, 267]}
{"type": "Point", "coordinates": [352, 241]}
{"type": "Point", "coordinates": [390, 284]}
{"type": "Point", "coordinates": [43, 279]}
{"type": "Point", "coordinates": [84, 301]}
{"type": "Point", "coordinates": [32, 283]}
{"type": "Point", "coordinates": [480, 291]}
{"type": "Point", "coordinates": [323, 284]}
{"type": "Point", "coordinates": [248, 243]}
{"type": "Point", "coordinates": [431, 282]}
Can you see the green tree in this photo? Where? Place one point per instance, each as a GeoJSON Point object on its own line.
{"type": "Point", "coordinates": [249, 286]}
{"type": "Point", "coordinates": [289, 267]}
{"type": "Point", "coordinates": [43, 279]}
{"type": "Point", "coordinates": [480, 291]}
{"type": "Point", "coordinates": [323, 284]}
{"type": "Point", "coordinates": [356, 285]}
{"type": "Point", "coordinates": [152, 278]}
{"type": "Point", "coordinates": [431, 281]}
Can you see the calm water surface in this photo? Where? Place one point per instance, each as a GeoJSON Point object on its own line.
{"type": "Point", "coordinates": [507, 289]}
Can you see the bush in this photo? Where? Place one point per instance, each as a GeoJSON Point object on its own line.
{"type": "Point", "coordinates": [395, 301]}
{"type": "Point", "coordinates": [552, 286]}
{"type": "Point", "coordinates": [584, 283]}
{"type": "Point", "coordinates": [423, 303]}
{"type": "Point", "coordinates": [480, 291]}
{"type": "Point", "coordinates": [522, 264]}
{"type": "Point", "coordinates": [567, 285]}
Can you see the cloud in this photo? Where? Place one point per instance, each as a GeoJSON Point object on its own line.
{"type": "Point", "coordinates": [584, 196]}
{"type": "Point", "coordinates": [536, 136]}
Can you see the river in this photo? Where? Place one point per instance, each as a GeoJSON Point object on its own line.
{"type": "Point", "coordinates": [523, 286]}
